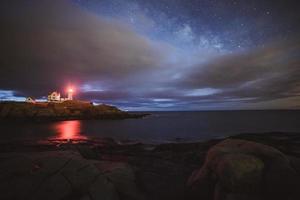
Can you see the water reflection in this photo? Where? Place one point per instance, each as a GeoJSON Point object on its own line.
{"type": "Point", "coordinates": [69, 130]}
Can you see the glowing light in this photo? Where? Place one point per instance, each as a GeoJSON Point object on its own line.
{"type": "Point", "coordinates": [69, 130]}
{"type": "Point", "coordinates": [71, 90]}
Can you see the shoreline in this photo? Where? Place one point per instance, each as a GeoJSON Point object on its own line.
{"type": "Point", "coordinates": [268, 138]}
{"type": "Point", "coordinates": [121, 116]}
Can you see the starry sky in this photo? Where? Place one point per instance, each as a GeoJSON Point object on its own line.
{"type": "Point", "coordinates": [154, 54]}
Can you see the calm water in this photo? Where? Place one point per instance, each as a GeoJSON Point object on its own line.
{"type": "Point", "coordinates": [160, 126]}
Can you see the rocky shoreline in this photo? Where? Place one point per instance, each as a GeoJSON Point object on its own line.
{"type": "Point", "coordinates": [68, 110]}
{"type": "Point", "coordinates": [241, 167]}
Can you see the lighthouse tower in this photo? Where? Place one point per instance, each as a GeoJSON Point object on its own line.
{"type": "Point", "coordinates": [70, 94]}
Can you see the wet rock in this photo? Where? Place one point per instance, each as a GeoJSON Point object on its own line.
{"type": "Point", "coordinates": [239, 169]}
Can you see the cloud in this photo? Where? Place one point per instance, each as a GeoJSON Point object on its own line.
{"type": "Point", "coordinates": [255, 79]}
{"type": "Point", "coordinates": [6, 95]}
{"type": "Point", "coordinates": [46, 43]}
{"type": "Point", "coordinates": [259, 74]}
{"type": "Point", "coordinates": [201, 92]}
{"type": "Point", "coordinates": [185, 33]}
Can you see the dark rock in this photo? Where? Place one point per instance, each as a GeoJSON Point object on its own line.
{"type": "Point", "coordinates": [102, 188]}
{"type": "Point", "coordinates": [61, 111]}
{"type": "Point", "coordinates": [64, 175]}
{"type": "Point", "coordinates": [239, 169]}
{"type": "Point", "coordinates": [122, 176]}
{"type": "Point", "coordinates": [107, 169]}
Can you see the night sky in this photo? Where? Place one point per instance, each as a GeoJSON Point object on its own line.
{"type": "Point", "coordinates": [154, 54]}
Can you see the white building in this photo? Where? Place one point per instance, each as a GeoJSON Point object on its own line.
{"type": "Point", "coordinates": [55, 97]}
{"type": "Point", "coordinates": [29, 100]}
{"type": "Point", "coordinates": [70, 94]}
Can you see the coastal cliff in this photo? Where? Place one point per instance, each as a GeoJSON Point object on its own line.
{"type": "Point", "coordinates": [72, 109]}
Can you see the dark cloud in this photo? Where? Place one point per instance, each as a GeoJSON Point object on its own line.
{"type": "Point", "coordinates": [46, 43]}
{"type": "Point", "coordinates": [261, 74]}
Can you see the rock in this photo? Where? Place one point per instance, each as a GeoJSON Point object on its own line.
{"type": "Point", "coordinates": [54, 187]}
{"type": "Point", "coordinates": [123, 178]}
{"type": "Point", "coordinates": [105, 169]}
{"type": "Point", "coordinates": [5, 110]}
{"type": "Point", "coordinates": [61, 111]}
{"type": "Point", "coordinates": [238, 169]}
{"type": "Point", "coordinates": [103, 189]}
{"type": "Point", "coordinates": [58, 175]}
{"type": "Point", "coordinates": [14, 176]}
{"type": "Point", "coordinates": [240, 173]}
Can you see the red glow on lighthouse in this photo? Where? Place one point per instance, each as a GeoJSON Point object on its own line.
{"type": "Point", "coordinates": [70, 89]}
{"type": "Point", "coordinates": [70, 92]}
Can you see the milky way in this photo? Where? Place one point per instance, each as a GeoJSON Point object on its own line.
{"type": "Point", "coordinates": [154, 55]}
{"type": "Point", "coordinates": [226, 25]}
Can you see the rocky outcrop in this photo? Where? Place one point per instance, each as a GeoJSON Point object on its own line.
{"type": "Point", "coordinates": [65, 175]}
{"type": "Point", "coordinates": [237, 169]}
{"type": "Point", "coordinates": [61, 111]}
{"type": "Point", "coordinates": [218, 169]}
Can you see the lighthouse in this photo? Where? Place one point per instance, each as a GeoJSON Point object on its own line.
{"type": "Point", "coordinates": [55, 97]}
{"type": "Point", "coordinates": [70, 94]}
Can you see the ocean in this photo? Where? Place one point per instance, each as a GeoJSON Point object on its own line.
{"type": "Point", "coordinates": [159, 126]}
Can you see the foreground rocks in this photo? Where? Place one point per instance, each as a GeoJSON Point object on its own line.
{"type": "Point", "coordinates": [65, 175]}
{"type": "Point", "coordinates": [239, 169]}
{"type": "Point", "coordinates": [249, 166]}
{"type": "Point", "coordinates": [61, 111]}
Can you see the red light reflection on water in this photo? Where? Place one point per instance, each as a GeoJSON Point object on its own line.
{"type": "Point", "coordinates": [69, 130]}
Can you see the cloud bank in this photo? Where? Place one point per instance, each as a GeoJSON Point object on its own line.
{"type": "Point", "coordinates": [260, 74]}
{"type": "Point", "coordinates": [46, 45]}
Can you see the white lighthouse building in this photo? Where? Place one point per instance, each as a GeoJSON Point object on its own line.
{"type": "Point", "coordinates": [56, 97]}
{"type": "Point", "coordinates": [70, 94]}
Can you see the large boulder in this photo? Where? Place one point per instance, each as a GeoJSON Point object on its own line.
{"type": "Point", "coordinates": [239, 169]}
{"type": "Point", "coordinates": [122, 176]}
{"type": "Point", "coordinates": [63, 175]}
